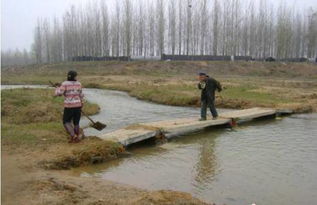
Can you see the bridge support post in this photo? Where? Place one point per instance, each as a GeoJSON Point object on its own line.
{"type": "Point", "coordinates": [160, 137]}
{"type": "Point", "coordinates": [233, 123]}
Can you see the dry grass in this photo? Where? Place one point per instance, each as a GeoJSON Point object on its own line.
{"type": "Point", "coordinates": [31, 120]}
{"type": "Point", "coordinates": [40, 74]}
{"type": "Point", "coordinates": [26, 105]}
{"type": "Point", "coordinates": [33, 117]}
{"type": "Point", "coordinates": [90, 151]}
{"type": "Point", "coordinates": [239, 92]}
{"type": "Point", "coordinates": [277, 85]}
{"type": "Point", "coordinates": [164, 197]}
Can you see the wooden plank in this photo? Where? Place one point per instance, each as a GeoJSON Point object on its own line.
{"type": "Point", "coordinates": [185, 125]}
{"type": "Point", "coordinates": [169, 128]}
{"type": "Point", "coordinates": [248, 114]}
{"type": "Point", "coordinates": [128, 136]}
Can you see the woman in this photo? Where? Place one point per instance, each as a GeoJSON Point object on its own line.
{"type": "Point", "coordinates": [73, 102]}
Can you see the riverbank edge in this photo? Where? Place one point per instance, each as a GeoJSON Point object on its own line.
{"type": "Point", "coordinates": [220, 102]}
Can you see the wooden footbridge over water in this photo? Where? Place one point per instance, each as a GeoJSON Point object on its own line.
{"type": "Point", "coordinates": [169, 128]}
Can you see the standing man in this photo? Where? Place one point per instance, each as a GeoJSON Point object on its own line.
{"type": "Point", "coordinates": [208, 86]}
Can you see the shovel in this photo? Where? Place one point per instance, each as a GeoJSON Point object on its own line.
{"type": "Point", "coordinates": [97, 125]}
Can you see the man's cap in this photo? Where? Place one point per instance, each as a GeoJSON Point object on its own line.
{"type": "Point", "coordinates": [202, 74]}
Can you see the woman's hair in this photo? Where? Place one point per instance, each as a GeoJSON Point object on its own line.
{"type": "Point", "coordinates": [71, 75]}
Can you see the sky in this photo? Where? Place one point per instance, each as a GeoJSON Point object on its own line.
{"type": "Point", "coordinates": [18, 17]}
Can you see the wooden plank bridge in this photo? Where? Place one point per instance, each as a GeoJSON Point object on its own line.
{"type": "Point", "coordinates": [169, 128]}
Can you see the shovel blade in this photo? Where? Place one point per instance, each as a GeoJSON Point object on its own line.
{"type": "Point", "coordinates": [98, 126]}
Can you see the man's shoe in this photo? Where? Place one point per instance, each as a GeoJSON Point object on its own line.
{"type": "Point", "coordinates": [202, 119]}
{"type": "Point", "coordinates": [214, 118]}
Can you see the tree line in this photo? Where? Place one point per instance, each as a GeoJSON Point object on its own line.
{"type": "Point", "coordinates": [177, 27]}
{"type": "Point", "coordinates": [16, 57]}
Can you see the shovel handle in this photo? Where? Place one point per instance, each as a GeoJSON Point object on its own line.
{"type": "Point", "coordinates": [53, 84]}
{"type": "Point", "coordinates": [91, 120]}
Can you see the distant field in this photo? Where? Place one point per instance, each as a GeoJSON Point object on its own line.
{"type": "Point", "coordinates": [247, 84]}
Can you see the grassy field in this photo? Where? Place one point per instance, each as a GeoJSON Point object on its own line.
{"type": "Point", "coordinates": [247, 84]}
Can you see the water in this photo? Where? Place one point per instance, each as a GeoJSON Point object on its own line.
{"type": "Point", "coordinates": [266, 162]}
{"type": "Point", "coordinates": [118, 110]}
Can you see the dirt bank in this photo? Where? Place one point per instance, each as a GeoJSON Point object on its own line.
{"type": "Point", "coordinates": [23, 181]}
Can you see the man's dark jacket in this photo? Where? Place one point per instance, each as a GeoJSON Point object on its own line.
{"type": "Point", "coordinates": [208, 91]}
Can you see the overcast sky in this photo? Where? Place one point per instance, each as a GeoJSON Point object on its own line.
{"type": "Point", "coordinates": [18, 17]}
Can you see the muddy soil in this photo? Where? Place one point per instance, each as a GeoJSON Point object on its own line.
{"type": "Point", "coordinates": [24, 180]}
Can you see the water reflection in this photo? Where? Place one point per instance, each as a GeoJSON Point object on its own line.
{"type": "Point", "coordinates": [139, 153]}
{"type": "Point", "coordinates": [145, 157]}
{"type": "Point", "coordinates": [206, 164]}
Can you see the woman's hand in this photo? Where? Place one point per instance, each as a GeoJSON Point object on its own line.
{"type": "Point", "coordinates": [57, 84]}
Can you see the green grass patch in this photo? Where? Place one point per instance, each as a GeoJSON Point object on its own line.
{"type": "Point", "coordinates": [181, 95]}
{"type": "Point", "coordinates": [31, 116]}
{"type": "Point", "coordinates": [251, 93]}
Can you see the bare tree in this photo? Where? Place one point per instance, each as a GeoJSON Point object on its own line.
{"type": "Point", "coordinates": [105, 29]}
{"type": "Point", "coordinates": [116, 31]}
{"type": "Point", "coordinates": [141, 27]}
{"type": "Point", "coordinates": [16, 57]}
{"type": "Point", "coordinates": [188, 25]}
{"type": "Point", "coordinates": [160, 27]}
{"type": "Point", "coordinates": [127, 25]}
{"type": "Point", "coordinates": [140, 32]}
{"type": "Point", "coordinates": [203, 26]}
{"type": "Point", "coordinates": [284, 34]}
{"type": "Point", "coordinates": [172, 26]}
{"type": "Point", "coordinates": [151, 25]}
{"type": "Point", "coordinates": [180, 26]}
{"type": "Point", "coordinates": [38, 45]}
{"type": "Point", "coordinates": [312, 34]}
{"type": "Point", "coordinates": [46, 30]}
{"type": "Point", "coordinates": [216, 13]}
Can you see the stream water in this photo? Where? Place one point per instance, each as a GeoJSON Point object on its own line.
{"type": "Point", "coordinates": [266, 162]}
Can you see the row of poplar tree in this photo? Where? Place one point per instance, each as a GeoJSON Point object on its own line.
{"type": "Point", "coordinates": [177, 27]}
